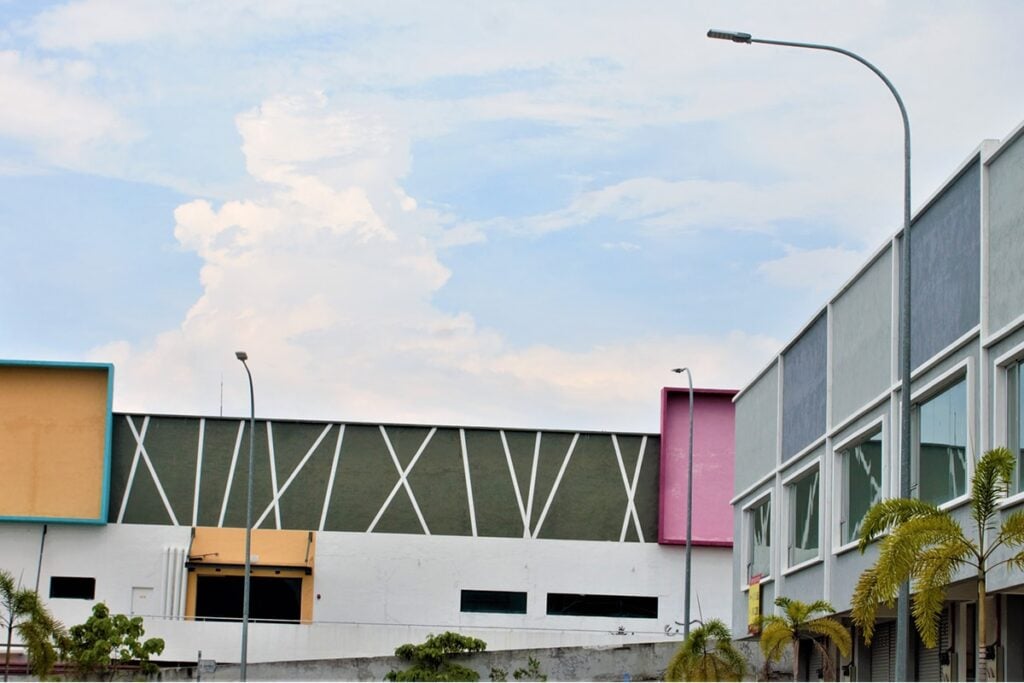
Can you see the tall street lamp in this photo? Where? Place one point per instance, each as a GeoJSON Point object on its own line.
{"type": "Point", "coordinates": [243, 356]}
{"type": "Point", "coordinates": [689, 510]}
{"type": "Point", "coordinates": [903, 600]}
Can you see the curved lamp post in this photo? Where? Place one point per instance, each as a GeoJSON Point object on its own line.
{"type": "Point", "coordinates": [903, 601]}
{"type": "Point", "coordinates": [243, 356]}
{"type": "Point", "coordinates": [689, 509]}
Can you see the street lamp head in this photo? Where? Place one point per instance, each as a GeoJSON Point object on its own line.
{"type": "Point", "coordinates": [734, 36]}
{"type": "Point", "coordinates": [678, 370]}
{"type": "Point", "coordinates": [242, 356]}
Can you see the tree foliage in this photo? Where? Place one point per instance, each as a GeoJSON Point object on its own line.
{"type": "Point", "coordinates": [106, 643]}
{"type": "Point", "coordinates": [928, 546]}
{"type": "Point", "coordinates": [707, 654]}
{"type": "Point", "coordinates": [430, 660]}
{"type": "Point", "coordinates": [22, 611]}
{"type": "Point", "coordinates": [798, 622]}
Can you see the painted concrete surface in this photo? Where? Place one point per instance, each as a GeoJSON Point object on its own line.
{"type": "Point", "coordinates": [757, 428]}
{"type": "Point", "coordinates": [713, 455]}
{"type": "Point", "coordinates": [862, 340]}
{"type": "Point", "coordinates": [1005, 227]}
{"type": "Point", "coordinates": [803, 388]}
{"type": "Point", "coordinates": [374, 592]}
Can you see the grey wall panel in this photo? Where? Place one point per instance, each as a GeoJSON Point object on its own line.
{"type": "Point", "coordinates": [862, 339]}
{"type": "Point", "coordinates": [803, 389]}
{"type": "Point", "coordinates": [846, 570]}
{"type": "Point", "coordinates": [806, 585]}
{"type": "Point", "coordinates": [945, 269]}
{"type": "Point", "coordinates": [756, 430]}
{"type": "Point", "coordinates": [1005, 232]}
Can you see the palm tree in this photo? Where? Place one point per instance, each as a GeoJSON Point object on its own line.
{"type": "Point", "coordinates": [928, 546]}
{"type": "Point", "coordinates": [707, 654]}
{"type": "Point", "coordinates": [797, 622]}
{"type": "Point", "coordinates": [22, 610]}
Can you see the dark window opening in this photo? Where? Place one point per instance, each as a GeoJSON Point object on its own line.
{"type": "Point", "coordinates": [277, 599]}
{"type": "Point", "coordinates": [624, 606]}
{"type": "Point", "coordinates": [78, 587]}
{"type": "Point", "coordinates": [502, 602]}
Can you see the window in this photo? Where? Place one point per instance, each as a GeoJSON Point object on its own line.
{"type": "Point", "coordinates": [621, 606]}
{"type": "Point", "coordinates": [277, 599]}
{"type": "Point", "coordinates": [862, 484]}
{"type": "Point", "coordinates": [79, 587]}
{"type": "Point", "coordinates": [941, 445]}
{"type": "Point", "coordinates": [803, 517]}
{"type": "Point", "coordinates": [1015, 420]}
{"type": "Point", "coordinates": [501, 602]}
{"type": "Point", "coordinates": [759, 540]}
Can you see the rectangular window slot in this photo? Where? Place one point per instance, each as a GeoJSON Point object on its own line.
{"type": "Point", "coordinates": [620, 606]}
{"type": "Point", "coordinates": [1014, 421]}
{"type": "Point", "coordinates": [271, 598]}
{"type": "Point", "coordinates": [74, 587]}
{"type": "Point", "coordinates": [500, 602]}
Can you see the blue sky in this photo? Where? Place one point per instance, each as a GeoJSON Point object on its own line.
{"type": "Point", "coordinates": [517, 214]}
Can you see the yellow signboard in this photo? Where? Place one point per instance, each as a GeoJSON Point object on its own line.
{"type": "Point", "coordinates": [754, 606]}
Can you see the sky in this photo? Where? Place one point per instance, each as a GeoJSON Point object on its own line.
{"type": "Point", "coordinates": [516, 214]}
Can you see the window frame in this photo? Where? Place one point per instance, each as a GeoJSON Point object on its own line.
{"type": "Point", "coordinates": [789, 495]}
{"type": "Point", "coordinates": [1013, 358]}
{"type": "Point", "coordinates": [955, 374]}
{"type": "Point", "coordinates": [765, 496]}
{"type": "Point", "coordinates": [841, 493]}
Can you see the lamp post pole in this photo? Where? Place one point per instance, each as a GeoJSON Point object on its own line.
{"type": "Point", "coordinates": [689, 509]}
{"type": "Point", "coordinates": [243, 356]}
{"type": "Point", "coordinates": [903, 599]}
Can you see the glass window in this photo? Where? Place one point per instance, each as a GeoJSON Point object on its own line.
{"type": "Point", "coordinates": [501, 602]}
{"type": "Point", "coordinates": [1014, 416]}
{"type": "Point", "coordinates": [621, 606]}
{"type": "Point", "coordinates": [760, 539]}
{"type": "Point", "coordinates": [941, 445]}
{"type": "Point", "coordinates": [80, 587]}
{"type": "Point", "coordinates": [862, 484]}
{"type": "Point", "coordinates": [803, 518]}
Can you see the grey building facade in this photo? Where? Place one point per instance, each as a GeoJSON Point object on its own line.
{"type": "Point", "coordinates": [817, 431]}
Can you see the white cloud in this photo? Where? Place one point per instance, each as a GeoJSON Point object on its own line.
{"type": "Point", "coordinates": [329, 288]}
{"type": "Point", "coordinates": [822, 270]}
{"type": "Point", "coordinates": [47, 103]}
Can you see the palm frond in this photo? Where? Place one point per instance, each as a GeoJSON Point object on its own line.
{"type": "Point", "coordinates": [834, 630]}
{"type": "Point", "coordinates": [867, 596]}
{"type": "Point", "coordinates": [776, 636]}
{"type": "Point", "coordinates": [1011, 531]}
{"type": "Point", "coordinates": [991, 480]}
{"type": "Point", "coordinates": [889, 513]}
{"type": "Point", "coordinates": [707, 654]}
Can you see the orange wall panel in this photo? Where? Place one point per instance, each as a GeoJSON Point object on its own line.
{"type": "Point", "coordinates": [54, 441]}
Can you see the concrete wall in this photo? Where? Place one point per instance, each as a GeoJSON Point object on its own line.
{"type": "Point", "coordinates": [945, 273]}
{"type": "Point", "coordinates": [862, 339]}
{"type": "Point", "coordinates": [757, 420]}
{"type": "Point", "coordinates": [1005, 250]}
{"type": "Point", "coordinates": [377, 591]}
{"type": "Point", "coordinates": [713, 447]}
{"type": "Point", "coordinates": [803, 388]}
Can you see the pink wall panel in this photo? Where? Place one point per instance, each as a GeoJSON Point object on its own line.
{"type": "Point", "coordinates": [713, 450]}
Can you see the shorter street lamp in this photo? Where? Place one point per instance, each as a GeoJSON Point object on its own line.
{"type": "Point", "coordinates": [689, 509]}
{"type": "Point", "coordinates": [243, 356]}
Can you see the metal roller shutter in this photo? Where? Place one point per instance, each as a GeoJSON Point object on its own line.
{"type": "Point", "coordinates": [883, 660]}
{"type": "Point", "coordinates": [928, 659]}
